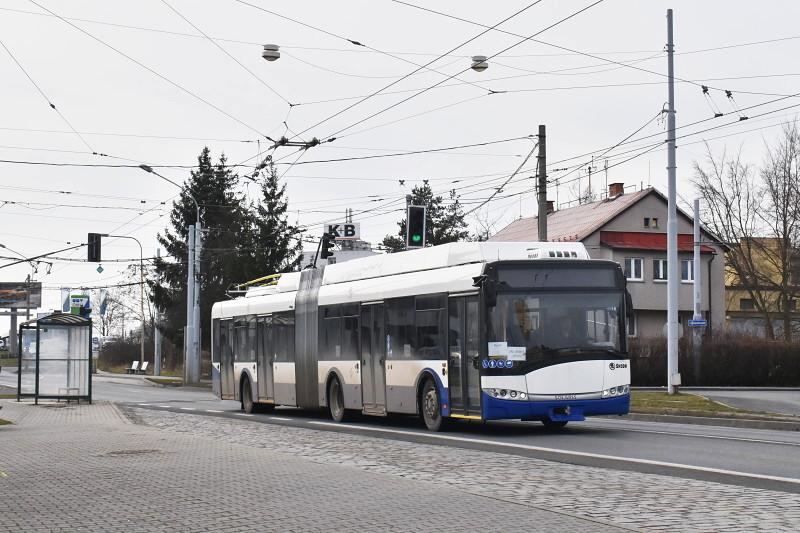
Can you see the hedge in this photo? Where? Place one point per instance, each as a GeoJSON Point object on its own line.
{"type": "Point", "coordinates": [725, 360]}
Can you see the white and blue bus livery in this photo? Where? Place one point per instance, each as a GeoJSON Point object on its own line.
{"type": "Point", "coordinates": [484, 331]}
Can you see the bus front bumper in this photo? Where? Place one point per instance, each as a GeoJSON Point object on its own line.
{"type": "Point", "coordinates": [559, 411]}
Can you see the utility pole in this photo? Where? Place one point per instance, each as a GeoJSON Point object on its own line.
{"type": "Point", "coordinates": [188, 359]}
{"type": "Point", "coordinates": [541, 164]}
{"type": "Point", "coordinates": [197, 346]}
{"type": "Point", "coordinates": [157, 333]}
{"type": "Point", "coordinates": [697, 285]}
{"type": "Point", "coordinates": [673, 377]}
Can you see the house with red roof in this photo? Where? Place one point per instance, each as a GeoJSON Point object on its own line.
{"type": "Point", "coordinates": [631, 228]}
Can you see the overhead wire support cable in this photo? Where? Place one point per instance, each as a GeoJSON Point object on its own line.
{"type": "Point", "coordinates": [149, 69]}
{"type": "Point", "coordinates": [497, 191]}
{"type": "Point", "coordinates": [524, 39]}
{"type": "Point", "coordinates": [48, 100]}
{"type": "Point", "coordinates": [567, 49]}
{"type": "Point", "coordinates": [354, 104]}
{"type": "Point", "coordinates": [222, 49]}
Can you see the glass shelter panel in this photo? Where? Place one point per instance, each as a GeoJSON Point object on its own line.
{"type": "Point", "coordinates": [64, 364]}
{"type": "Point", "coordinates": [27, 371]}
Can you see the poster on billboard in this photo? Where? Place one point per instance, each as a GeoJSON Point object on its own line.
{"type": "Point", "coordinates": [20, 295]}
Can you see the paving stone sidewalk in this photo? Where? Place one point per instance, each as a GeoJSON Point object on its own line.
{"type": "Point", "coordinates": [642, 501]}
{"type": "Point", "coordinates": [87, 468]}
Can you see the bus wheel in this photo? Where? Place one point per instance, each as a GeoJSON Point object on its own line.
{"type": "Point", "coordinates": [429, 406]}
{"type": "Point", "coordinates": [247, 397]}
{"type": "Point", "coordinates": [553, 424]}
{"type": "Point", "coordinates": [336, 400]}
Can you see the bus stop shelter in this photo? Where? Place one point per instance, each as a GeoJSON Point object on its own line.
{"type": "Point", "coordinates": [55, 358]}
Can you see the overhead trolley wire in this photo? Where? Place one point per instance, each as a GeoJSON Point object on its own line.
{"type": "Point", "coordinates": [489, 28]}
{"type": "Point", "coordinates": [215, 43]}
{"type": "Point", "coordinates": [587, 54]}
{"type": "Point", "coordinates": [360, 101]}
{"type": "Point", "coordinates": [149, 69]}
{"type": "Point", "coordinates": [47, 99]}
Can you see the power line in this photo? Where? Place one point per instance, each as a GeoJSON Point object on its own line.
{"type": "Point", "coordinates": [215, 43]}
{"type": "Point", "coordinates": [415, 71]}
{"type": "Point", "coordinates": [46, 98]}
{"type": "Point", "coordinates": [524, 39]}
{"type": "Point", "coordinates": [149, 69]}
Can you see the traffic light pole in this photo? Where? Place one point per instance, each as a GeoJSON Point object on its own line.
{"type": "Point", "coordinates": [141, 288]}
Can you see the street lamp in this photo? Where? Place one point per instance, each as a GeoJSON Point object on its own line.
{"type": "Point", "coordinates": [194, 246]}
{"type": "Point", "coordinates": [479, 63]}
{"type": "Point", "coordinates": [271, 52]}
{"type": "Point", "coordinates": [141, 283]}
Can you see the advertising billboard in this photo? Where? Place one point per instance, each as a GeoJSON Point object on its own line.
{"type": "Point", "coordinates": [20, 295]}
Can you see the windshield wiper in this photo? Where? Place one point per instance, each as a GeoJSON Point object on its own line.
{"type": "Point", "coordinates": [582, 349]}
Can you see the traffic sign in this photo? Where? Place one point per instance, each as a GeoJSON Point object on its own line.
{"type": "Point", "coordinates": [699, 323]}
{"type": "Point", "coordinates": [348, 231]}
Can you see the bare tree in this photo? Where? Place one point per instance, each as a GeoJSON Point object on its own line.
{"type": "Point", "coordinates": [756, 214]}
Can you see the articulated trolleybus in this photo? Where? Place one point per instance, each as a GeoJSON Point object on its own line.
{"type": "Point", "coordinates": [483, 331]}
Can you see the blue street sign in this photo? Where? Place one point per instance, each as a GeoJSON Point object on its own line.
{"type": "Point", "coordinates": [700, 323]}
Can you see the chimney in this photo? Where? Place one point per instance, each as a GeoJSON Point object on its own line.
{"type": "Point", "coordinates": [551, 206]}
{"type": "Point", "coordinates": [616, 189]}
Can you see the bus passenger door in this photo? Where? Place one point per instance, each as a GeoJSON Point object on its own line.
{"type": "Point", "coordinates": [464, 357]}
{"type": "Point", "coordinates": [227, 382]}
{"type": "Point", "coordinates": [265, 358]}
{"type": "Point", "coordinates": [373, 360]}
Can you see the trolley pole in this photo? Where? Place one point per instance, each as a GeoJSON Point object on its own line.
{"type": "Point", "coordinates": [541, 163]}
{"type": "Point", "coordinates": [673, 378]}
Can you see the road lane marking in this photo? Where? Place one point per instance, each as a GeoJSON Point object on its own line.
{"type": "Point", "coordinates": [700, 435]}
{"type": "Point", "coordinates": [242, 414]}
{"type": "Point", "coordinates": [143, 404]}
{"type": "Point", "coordinates": [279, 418]}
{"type": "Point", "coordinates": [188, 408]}
{"type": "Point", "coordinates": [213, 411]}
{"type": "Point", "coordinates": [165, 406]}
{"type": "Point", "coordinates": [560, 451]}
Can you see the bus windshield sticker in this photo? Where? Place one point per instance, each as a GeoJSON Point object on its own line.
{"type": "Point", "coordinates": [516, 353]}
{"type": "Point", "coordinates": [498, 350]}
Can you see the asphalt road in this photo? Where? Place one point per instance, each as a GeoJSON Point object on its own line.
{"type": "Point", "coordinates": [747, 457]}
{"type": "Point", "coordinates": [771, 401]}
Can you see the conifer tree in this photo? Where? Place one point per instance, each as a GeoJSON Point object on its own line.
{"type": "Point", "coordinates": [276, 244]}
{"type": "Point", "coordinates": [226, 226]}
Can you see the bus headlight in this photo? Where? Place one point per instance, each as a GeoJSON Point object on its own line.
{"type": "Point", "coordinates": [506, 394]}
{"type": "Point", "coordinates": [616, 391]}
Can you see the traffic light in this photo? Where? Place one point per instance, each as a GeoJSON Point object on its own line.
{"type": "Point", "coordinates": [327, 245]}
{"type": "Point", "coordinates": [93, 255]}
{"type": "Point", "coordinates": [415, 226]}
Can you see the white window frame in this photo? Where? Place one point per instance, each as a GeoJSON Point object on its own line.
{"type": "Point", "coordinates": [662, 269]}
{"type": "Point", "coordinates": [690, 279]}
{"type": "Point", "coordinates": [628, 274]}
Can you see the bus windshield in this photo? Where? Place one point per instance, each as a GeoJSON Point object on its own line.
{"type": "Point", "coordinates": [535, 326]}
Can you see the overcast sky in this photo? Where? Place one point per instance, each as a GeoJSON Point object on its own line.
{"type": "Point", "coordinates": [137, 112]}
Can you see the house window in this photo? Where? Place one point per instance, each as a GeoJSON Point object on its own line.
{"type": "Point", "coordinates": [654, 222]}
{"type": "Point", "coordinates": [687, 270]}
{"type": "Point", "coordinates": [630, 324]}
{"type": "Point", "coordinates": [746, 304]}
{"type": "Point", "coordinates": [633, 268]}
{"type": "Point", "coordinates": [660, 269]}
{"type": "Point", "coordinates": [646, 222]}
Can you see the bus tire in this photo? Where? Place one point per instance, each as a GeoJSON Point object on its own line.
{"type": "Point", "coordinates": [336, 400]}
{"type": "Point", "coordinates": [553, 424]}
{"type": "Point", "coordinates": [430, 406]}
{"type": "Point", "coordinates": [248, 405]}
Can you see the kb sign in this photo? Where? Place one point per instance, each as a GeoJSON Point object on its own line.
{"type": "Point", "coordinates": [343, 232]}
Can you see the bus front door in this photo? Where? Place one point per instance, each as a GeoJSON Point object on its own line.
{"type": "Point", "coordinates": [226, 376]}
{"type": "Point", "coordinates": [464, 358]}
{"type": "Point", "coordinates": [373, 360]}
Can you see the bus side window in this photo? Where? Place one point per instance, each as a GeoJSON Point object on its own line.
{"type": "Point", "coordinates": [330, 334]}
{"type": "Point", "coordinates": [215, 341]}
{"type": "Point", "coordinates": [400, 328]}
